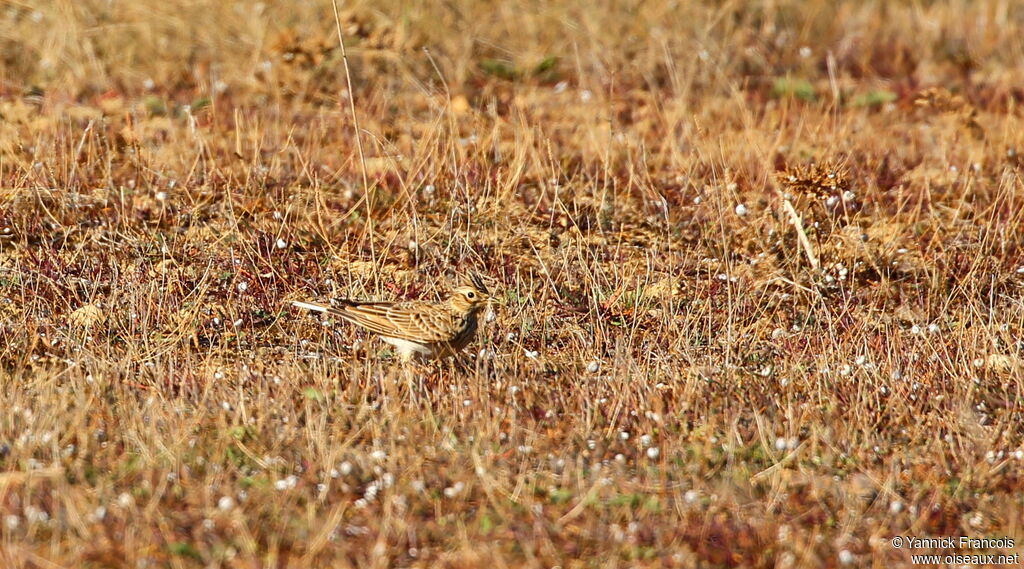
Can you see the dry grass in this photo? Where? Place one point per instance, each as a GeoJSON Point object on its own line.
{"type": "Point", "coordinates": [761, 263]}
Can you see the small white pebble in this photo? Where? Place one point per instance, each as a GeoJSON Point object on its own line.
{"type": "Point", "coordinates": [225, 503]}
{"type": "Point", "coordinates": [281, 243]}
{"type": "Point", "coordinates": [653, 452]}
{"type": "Point", "coordinates": [454, 490]}
{"type": "Point", "coordinates": [532, 354]}
{"type": "Point", "coordinates": [125, 500]}
{"type": "Point", "coordinates": [286, 483]}
{"type": "Point", "coordinates": [741, 209]}
{"type": "Point", "coordinates": [11, 522]}
{"type": "Point", "coordinates": [592, 367]}
{"type": "Point", "coordinates": [846, 558]}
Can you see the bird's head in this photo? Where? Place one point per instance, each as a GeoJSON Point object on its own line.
{"type": "Point", "coordinates": [471, 294]}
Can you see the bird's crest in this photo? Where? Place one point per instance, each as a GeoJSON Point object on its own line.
{"type": "Point", "coordinates": [474, 281]}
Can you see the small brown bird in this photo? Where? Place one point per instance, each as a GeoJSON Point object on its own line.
{"type": "Point", "coordinates": [418, 328]}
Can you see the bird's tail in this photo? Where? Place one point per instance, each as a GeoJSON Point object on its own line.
{"type": "Point", "coordinates": [310, 306]}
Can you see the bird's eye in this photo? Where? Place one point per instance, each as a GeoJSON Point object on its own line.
{"type": "Point", "coordinates": [471, 295]}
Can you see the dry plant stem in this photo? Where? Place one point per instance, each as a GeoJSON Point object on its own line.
{"type": "Point", "coordinates": [798, 225]}
{"type": "Point", "coordinates": [367, 192]}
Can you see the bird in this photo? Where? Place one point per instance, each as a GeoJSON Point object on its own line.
{"type": "Point", "coordinates": [417, 329]}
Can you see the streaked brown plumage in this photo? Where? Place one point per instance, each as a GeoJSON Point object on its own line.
{"type": "Point", "coordinates": [417, 328]}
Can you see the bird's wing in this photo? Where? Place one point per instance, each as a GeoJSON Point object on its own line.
{"type": "Point", "coordinates": [407, 321]}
